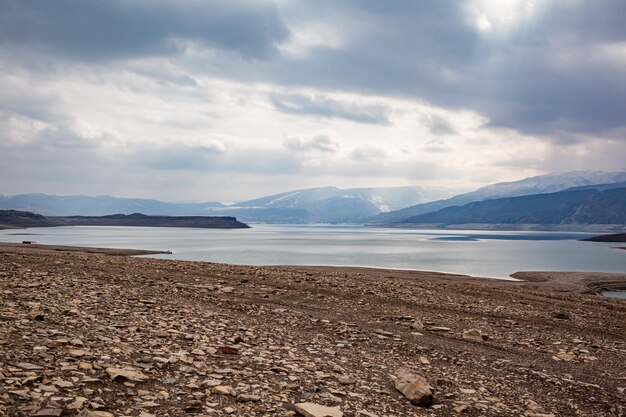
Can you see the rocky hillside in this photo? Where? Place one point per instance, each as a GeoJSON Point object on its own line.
{"type": "Point", "coordinates": [579, 206]}
{"type": "Point", "coordinates": [533, 185]}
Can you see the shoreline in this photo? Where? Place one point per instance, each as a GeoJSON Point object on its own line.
{"type": "Point", "coordinates": [7, 247]}
{"type": "Point", "coordinates": [133, 336]}
{"type": "Point", "coordinates": [561, 281]}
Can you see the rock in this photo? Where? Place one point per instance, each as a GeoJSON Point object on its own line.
{"type": "Point", "coordinates": [121, 374]}
{"type": "Point", "coordinates": [316, 410]}
{"type": "Point", "coordinates": [49, 412]}
{"type": "Point", "coordinates": [77, 353]}
{"type": "Point", "coordinates": [414, 387]}
{"type": "Point", "coordinates": [28, 366]}
{"type": "Point", "coordinates": [344, 380]}
{"type": "Point", "coordinates": [439, 329]}
{"type": "Point", "coordinates": [225, 390]}
{"type": "Point", "coordinates": [565, 356]}
{"type": "Point", "coordinates": [417, 325]}
{"type": "Point", "coordinates": [461, 408]}
{"type": "Point", "coordinates": [87, 413]}
{"type": "Point", "coordinates": [22, 393]}
{"type": "Point", "coordinates": [473, 334]}
{"type": "Point", "coordinates": [365, 413]}
{"type": "Point", "coordinates": [249, 397]}
{"type": "Point", "coordinates": [227, 350]}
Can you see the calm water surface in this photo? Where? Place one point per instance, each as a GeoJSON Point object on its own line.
{"type": "Point", "coordinates": [487, 254]}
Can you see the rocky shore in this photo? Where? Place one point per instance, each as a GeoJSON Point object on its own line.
{"type": "Point", "coordinates": [99, 336]}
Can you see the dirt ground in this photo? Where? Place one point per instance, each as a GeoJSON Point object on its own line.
{"type": "Point", "coordinates": [116, 336]}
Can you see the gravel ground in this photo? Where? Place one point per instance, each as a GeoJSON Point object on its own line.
{"type": "Point", "coordinates": [99, 336]}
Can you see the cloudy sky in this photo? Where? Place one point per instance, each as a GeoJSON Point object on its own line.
{"type": "Point", "coordinates": [224, 100]}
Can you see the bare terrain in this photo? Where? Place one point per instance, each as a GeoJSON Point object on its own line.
{"type": "Point", "coordinates": [98, 335]}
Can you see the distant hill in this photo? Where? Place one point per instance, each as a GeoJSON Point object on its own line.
{"type": "Point", "coordinates": [584, 206]}
{"type": "Point", "coordinates": [533, 185]}
{"type": "Point", "coordinates": [314, 205]}
{"type": "Point", "coordinates": [14, 219]}
{"type": "Point", "coordinates": [328, 204]}
{"type": "Point", "coordinates": [138, 219]}
{"type": "Point", "coordinates": [56, 205]}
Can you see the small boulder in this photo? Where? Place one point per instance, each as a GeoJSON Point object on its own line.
{"type": "Point", "coordinates": [473, 335]}
{"type": "Point", "coordinates": [417, 325]}
{"type": "Point", "coordinates": [122, 374]}
{"type": "Point", "coordinates": [316, 410]}
{"type": "Point", "coordinates": [415, 388]}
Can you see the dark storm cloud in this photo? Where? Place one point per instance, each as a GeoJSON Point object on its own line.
{"type": "Point", "coordinates": [546, 75]}
{"type": "Point", "coordinates": [322, 106]}
{"type": "Point", "coordinates": [93, 30]}
{"type": "Point", "coordinates": [432, 51]}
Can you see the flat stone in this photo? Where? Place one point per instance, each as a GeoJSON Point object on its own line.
{"type": "Point", "coordinates": [121, 374]}
{"type": "Point", "coordinates": [249, 397]}
{"type": "Point", "coordinates": [225, 390]}
{"type": "Point", "coordinates": [77, 353]}
{"type": "Point", "coordinates": [414, 387]}
{"type": "Point", "coordinates": [28, 366]}
{"type": "Point", "coordinates": [317, 410]}
{"type": "Point", "coordinates": [88, 413]}
{"type": "Point", "coordinates": [48, 412]}
{"type": "Point", "coordinates": [474, 335]}
{"type": "Point", "coordinates": [439, 329]}
{"type": "Point", "coordinates": [417, 325]}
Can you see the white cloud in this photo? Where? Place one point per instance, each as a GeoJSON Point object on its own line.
{"type": "Point", "coordinates": [337, 93]}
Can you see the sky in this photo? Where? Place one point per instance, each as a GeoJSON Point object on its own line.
{"type": "Point", "coordinates": [207, 100]}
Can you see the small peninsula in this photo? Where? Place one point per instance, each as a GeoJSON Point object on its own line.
{"type": "Point", "coordinates": [16, 219]}
{"type": "Point", "coordinates": [615, 237]}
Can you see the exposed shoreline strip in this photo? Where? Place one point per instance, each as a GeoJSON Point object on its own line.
{"type": "Point", "coordinates": [36, 247]}
{"type": "Point", "coordinates": [563, 282]}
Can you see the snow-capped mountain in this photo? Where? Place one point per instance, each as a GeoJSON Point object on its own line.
{"type": "Point", "coordinates": [328, 204]}
{"type": "Point", "coordinates": [533, 185]}
{"type": "Point", "coordinates": [383, 198]}
{"type": "Point", "coordinates": [314, 205]}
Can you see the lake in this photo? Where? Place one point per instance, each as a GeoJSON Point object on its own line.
{"type": "Point", "coordinates": [493, 254]}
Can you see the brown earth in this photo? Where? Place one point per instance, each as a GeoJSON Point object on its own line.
{"type": "Point", "coordinates": [143, 337]}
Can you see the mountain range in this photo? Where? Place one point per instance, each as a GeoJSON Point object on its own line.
{"type": "Point", "coordinates": [379, 206]}
{"type": "Point", "coordinates": [314, 205]}
{"type": "Point", "coordinates": [533, 185]}
{"type": "Point", "coordinates": [605, 204]}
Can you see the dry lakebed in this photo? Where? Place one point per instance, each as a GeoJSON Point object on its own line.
{"type": "Point", "coordinates": [97, 335]}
